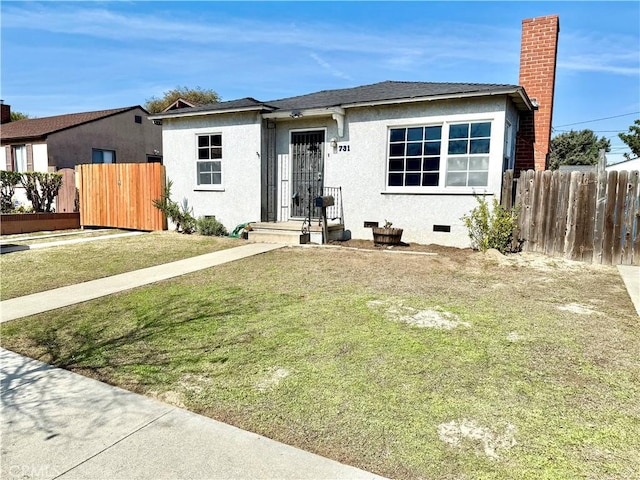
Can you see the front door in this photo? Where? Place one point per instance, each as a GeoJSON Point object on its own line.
{"type": "Point", "coordinates": [307, 155]}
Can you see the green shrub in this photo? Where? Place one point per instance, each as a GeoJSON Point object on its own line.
{"type": "Point", "coordinates": [8, 182]}
{"type": "Point", "coordinates": [41, 189]}
{"type": "Point", "coordinates": [492, 228]}
{"type": "Point", "coordinates": [211, 227]}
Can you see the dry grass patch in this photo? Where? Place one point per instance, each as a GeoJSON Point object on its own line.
{"type": "Point", "coordinates": [299, 345]}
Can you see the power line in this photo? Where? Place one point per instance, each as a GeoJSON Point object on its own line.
{"type": "Point", "coordinates": [597, 119]}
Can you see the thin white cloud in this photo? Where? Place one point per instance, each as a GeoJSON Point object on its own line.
{"type": "Point", "coordinates": [329, 68]}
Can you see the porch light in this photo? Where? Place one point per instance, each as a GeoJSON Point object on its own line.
{"type": "Point", "coordinates": [334, 143]}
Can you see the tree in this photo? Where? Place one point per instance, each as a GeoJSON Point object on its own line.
{"type": "Point", "coordinates": [576, 148]}
{"type": "Point", "coordinates": [632, 139]}
{"type": "Point", "coordinates": [15, 116]}
{"type": "Point", "coordinates": [196, 95]}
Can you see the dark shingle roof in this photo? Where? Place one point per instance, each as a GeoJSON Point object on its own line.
{"type": "Point", "coordinates": [383, 91]}
{"type": "Point", "coordinates": [246, 103]}
{"type": "Point", "coordinates": [41, 127]}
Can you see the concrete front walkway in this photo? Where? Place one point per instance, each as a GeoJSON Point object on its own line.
{"type": "Point", "coordinates": [59, 425]}
{"type": "Point", "coordinates": [82, 292]}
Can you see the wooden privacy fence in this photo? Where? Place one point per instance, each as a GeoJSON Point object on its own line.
{"type": "Point", "coordinates": [588, 216]}
{"type": "Point", "coordinates": [121, 195]}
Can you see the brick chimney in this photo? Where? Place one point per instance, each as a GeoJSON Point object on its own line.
{"type": "Point", "coordinates": [5, 114]}
{"type": "Point", "coordinates": [538, 53]}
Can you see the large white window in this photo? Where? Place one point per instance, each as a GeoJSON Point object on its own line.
{"type": "Point", "coordinates": [468, 155]}
{"type": "Point", "coordinates": [209, 159]}
{"type": "Point", "coordinates": [445, 155]}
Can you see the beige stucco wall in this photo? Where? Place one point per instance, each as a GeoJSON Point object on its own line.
{"type": "Point", "coordinates": [131, 141]}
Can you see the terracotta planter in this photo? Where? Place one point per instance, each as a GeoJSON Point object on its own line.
{"type": "Point", "coordinates": [387, 236]}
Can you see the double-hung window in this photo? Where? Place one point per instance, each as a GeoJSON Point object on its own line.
{"type": "Point", "coordinates": [209, 162]}
{"type": "Point", "coordinates": [468, 154]}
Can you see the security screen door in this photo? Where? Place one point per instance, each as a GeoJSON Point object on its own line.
{"type": "Point", "coordinates": [307, 154]}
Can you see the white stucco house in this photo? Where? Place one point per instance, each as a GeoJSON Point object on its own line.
{"type": "Point", "coordinates": [413, 153]}
{"type": "Point", "coordinates": [628, 164]}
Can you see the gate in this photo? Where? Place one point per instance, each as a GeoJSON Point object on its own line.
{"type": "Point", "coordinates": [121, 195]}
{"type": "Point", "coordinates": [307, 155]}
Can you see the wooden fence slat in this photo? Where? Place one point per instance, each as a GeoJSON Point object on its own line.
{"type": "Point", "coordinates": [600, 202]}
{"type": "Point", "coordinates": [621, 191]}
{"type": "Point", "coordinates": [562, 206]}
{"type": "Point", "coordinates": [636, 221]}
{"type": "Point", "coordinates": [589, 206]}
{"type": "Point", "coordinates": [549, 197]}
{"type": "Point", "coordinates": [609, 218]}
{"type": "Point", "coordinates": [630, 220]}
{"type": "Point", "coordinates": [570, 236]}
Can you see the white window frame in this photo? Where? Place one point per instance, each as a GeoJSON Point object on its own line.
{"type": "Point", "coordinates": [209, 186]}
{"type": "Point", "coordinates": [468, 155]}
{"type": "Point", "coordinates": [441, 188]}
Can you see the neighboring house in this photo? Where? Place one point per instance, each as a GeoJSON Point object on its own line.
{"type": "Point", "coordinates": [631, 164]}
{"type": "Point", "coordinates": [413, 153]}
{"type": "Point", "coordinates": [120, 135]}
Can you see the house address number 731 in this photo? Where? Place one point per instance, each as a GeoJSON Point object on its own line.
{"type": "Point", "coordinates": [343, 148]}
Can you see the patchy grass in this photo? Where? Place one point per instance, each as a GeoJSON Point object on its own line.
{"type": "Point", "coordinates": [317, 348]}
{"type": "Point", "coordinates": [31, 271]}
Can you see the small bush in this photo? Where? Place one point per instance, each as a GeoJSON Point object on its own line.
{"type": "Point", "coordinates": [180, 214]}
{"type": "Point", "coordinates": [492, 228]}
{"type": "Point", "coordinates": [8, 183]}
{"type": "Point", "coordinates": [211, 227]}
{"type": "Point", "coordinates": [41, 189]}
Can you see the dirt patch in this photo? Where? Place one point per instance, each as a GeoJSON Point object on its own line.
{"type": "Point", "coordinates": [273, 378]}
{"type": "Point", "coordinates": [170, 397]}
{"type": "Point", "coordinates": [467, 433]}
{"type": "Point", "coordinates": [578, 309]}
{"type": "Point", "coordinates": [420, 318]}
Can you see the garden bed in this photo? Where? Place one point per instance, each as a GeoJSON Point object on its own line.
{"type": "Point", "coordinates": [13, 223]}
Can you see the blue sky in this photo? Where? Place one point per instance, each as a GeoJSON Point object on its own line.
{"type": "Point", "coordinates": [64, 57]}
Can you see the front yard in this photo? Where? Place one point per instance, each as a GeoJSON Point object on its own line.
{"type": "Point", "coordinates": [460, 365]}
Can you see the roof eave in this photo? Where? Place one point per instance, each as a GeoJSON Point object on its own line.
{"type": "Point", "coordinates": [203, 113]}
{"type": "Point", "coordinates": [308, 112]}
{"type": "Point", "coordinates": [517, 94]}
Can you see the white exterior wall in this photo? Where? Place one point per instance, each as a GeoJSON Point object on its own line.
{"type": "Point", "coordinates": [625, 165]}
{"type": "Point", "coordinates": [237, 200]}
{"type": "Point", "coordinates": [362, 171]}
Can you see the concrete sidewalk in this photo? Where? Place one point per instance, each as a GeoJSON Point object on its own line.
{"type": "Point", "coordinates": [56, 424]}
{"type": "Point", "coordinates": [82, 292]}
{"type": "Point", "coordinates": [631, 277]}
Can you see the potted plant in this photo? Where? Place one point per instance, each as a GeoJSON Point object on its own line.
{"type": "Point", "coordinates": [387, 235]}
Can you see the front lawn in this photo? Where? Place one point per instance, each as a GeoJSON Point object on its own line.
{"type": "Point", "coordinates": [31, 271]}
{"type": "Point", "coordinates": [460, 365]}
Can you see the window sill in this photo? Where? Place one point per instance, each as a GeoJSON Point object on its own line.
{"type": "Point", "coordinates": [208, 188]}
{"type": "Point", "coordinates": [440, 191]}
